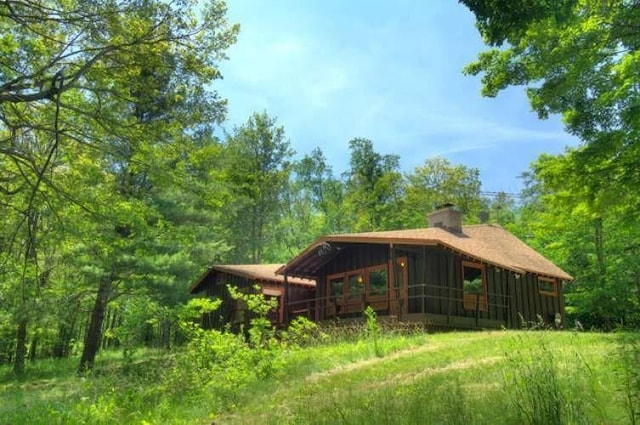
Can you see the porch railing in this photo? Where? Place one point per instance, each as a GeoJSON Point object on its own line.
{"type": "Point", "coordinates": [400, 302]}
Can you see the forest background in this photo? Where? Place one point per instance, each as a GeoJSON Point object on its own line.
{"type": "Point", "coordinates": [117, 189]}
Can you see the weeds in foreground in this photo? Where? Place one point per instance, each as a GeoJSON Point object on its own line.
{"type": "Point", "coordinates": [373, 329]}
{"type": "Point", "coordinates": [501, 377]}
{"type": "Point", "coordinates": [629, 371]}
{"type": "Point", "coordinates": [534, 386]}
{"type": "Point", "coordinates": [510, 377]}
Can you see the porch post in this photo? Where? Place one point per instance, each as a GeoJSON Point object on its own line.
{"type": "Point", "coordinates": [451, 282]}
{"type": "Point", "coordinates": [285, 300]}
{"type": "Point", "coordinates": [394, 304]}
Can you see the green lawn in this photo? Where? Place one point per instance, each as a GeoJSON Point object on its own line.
{"type": "Point", "coordinates": [482, 377]}
{"type": "Point", "coordinates": [510, 377]}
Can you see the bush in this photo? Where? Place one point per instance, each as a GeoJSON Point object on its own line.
{"type": "Point", "coordinates": [302, 332]}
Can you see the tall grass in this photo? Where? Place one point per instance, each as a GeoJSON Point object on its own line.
{"type": "Point", "coordinates": [318, 376]}
{"type": "Point", "coordinates": [629, 372]}
{"type": "Point", "coordinates": [480, 378]}
{"type": "Point", "coordinates": [534, 386]}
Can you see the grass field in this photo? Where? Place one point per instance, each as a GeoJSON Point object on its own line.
{"type": "Point", "coordinates": [531, 377]}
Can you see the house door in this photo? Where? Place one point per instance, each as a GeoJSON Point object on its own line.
{"type": "Point", "coordinates": [398, 285]}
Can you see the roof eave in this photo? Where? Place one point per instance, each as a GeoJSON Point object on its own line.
{"type": "Point", "coordinates": [286, 268]}
{"type": "Point", "coordinates": [196, 284]}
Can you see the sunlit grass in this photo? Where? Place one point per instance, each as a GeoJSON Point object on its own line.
{"type": "Point", "coordinates": [450, 378]}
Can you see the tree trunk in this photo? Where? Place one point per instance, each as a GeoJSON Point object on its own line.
{"type": "Point", "coordinates": [66, 332]}
{"type": "Point", "coordinates": [166, 334]}
{"type": "Point", "coordinates": [94, 333]}
{"type": "Point", "coordinates": [59, 348]}
{"type": "Point", "coordinates": [21, 347]}
{"type": "Point", "coordinates": [33, 349]}
{"type": "Point", "coordinates": [599, 243]}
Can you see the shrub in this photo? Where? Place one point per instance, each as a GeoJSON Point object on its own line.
{"type": "Point", "coordinates": [373, 329]}
{"type": "Point", "coordinates": [303, 332]}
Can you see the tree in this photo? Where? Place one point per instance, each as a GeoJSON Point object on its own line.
{"type": "Point", "coordinates": [312, 205]}
{"type": "Point", "coordinates": [571, 220]}
{"type": "Point", "coordinates": [439, 182]}
{"type": "Point", "coordinates": [578, 58]}
{"type": "Point", "coordinates": [502, 209]}
{"type": "Point", "coordinates": [94, 94]}
{"type": "Point", "coordinates": [257, 171]}
{"type": "Point", "coordinates": [373, 187]}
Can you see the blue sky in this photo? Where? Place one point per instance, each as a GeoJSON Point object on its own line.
{"type": "Point", "coordinates": [389, 71]}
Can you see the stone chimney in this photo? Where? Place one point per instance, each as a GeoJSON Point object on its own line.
{"type": "Point", "coordinates": [446, 216]}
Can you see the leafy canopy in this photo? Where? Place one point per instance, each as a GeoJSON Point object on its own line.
{"type": "Point", "coordinates": [578, 58]}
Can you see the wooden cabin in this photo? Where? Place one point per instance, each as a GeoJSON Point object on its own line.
{"type": "Point", "coordinates": [213, 283]}
{"type": "Point", "coordinates": [478, 276]}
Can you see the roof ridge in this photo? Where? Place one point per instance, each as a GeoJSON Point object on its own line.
{"type": "Point", "coordinates": [496, 225]}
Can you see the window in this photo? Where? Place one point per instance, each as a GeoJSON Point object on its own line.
{"type": "Point", "coordinates": [351, 291]}
{"type": "Point", "coordinates": [378, 282]}
{"type": "Point", "coordinates": [356, 285]}
{"type": "Point", "coordinates": [336, 287]}
{"type": "Point", "coordinates": [474, 286]}
{"type": "Point", "coordinates": [548, 286]}
{"type": "Point", "coordinates": [240, 313]}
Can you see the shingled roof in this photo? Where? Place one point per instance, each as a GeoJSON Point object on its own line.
{"type": "Point", "coordinates": [257, 272]}
{"type": "Point", "coordinates": [488, 243]}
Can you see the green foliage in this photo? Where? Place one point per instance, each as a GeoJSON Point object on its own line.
{"type": "Point", "coordinates": [303, 332]}
{"type": "Point", "coordinates": [373, 329]}
{"type": "Point", "coordinates": [102, 124]}
{"type": "Point", "coordinates": [574, 220]}
{"type": "Point", "coordinates": [473, 286]}
{"type": "Point", "coordinates": [313, 206]}
{"type": "Point", "coordinates": [256, 302]}
{"type": "Point", "coordinates": [449, 378]}
{"type": "Point", "coordinates": [223, 363]}
{"type": "Point", "coordinates": [197, 307]}
{"type": "Point", "coordinates": [537, 396]}
{"type": "Point", "coordinates": [456, 378]}
{"type": "Point", "coordinates": [629, 374]}
{"type": "Point", "coordinates": [257, 170]}
{"type": "Point", "coordinates": [373, 188]}
{"type": "Point", "coordinates": [439, 182]}
{"type": "Point", "coordinates": [576, 59]}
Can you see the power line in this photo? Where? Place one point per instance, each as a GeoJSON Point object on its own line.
{"type": "Point", "coordinates": [500, 193]}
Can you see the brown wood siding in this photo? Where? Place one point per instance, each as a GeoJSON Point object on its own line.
{"type": "Point", "coordinates": [560, 302]}
{"type": "Point", "coordinates": [510, 280]}
{"type": "Point", "coordinates": [436, 289]}
{"type": "Point", "coordinates": [437, 273]}
{"type": "Point", "coordinates": [496, 294]}
{"type": "Point", "coordinates": [215, 286]}
{"type": "Point", "coordinates": [528, 303]}
{"type": "Point", "coordinates": [301, 302]}
{"type": "Point", "coordinates": [358, 256]}
{"type": "Point", "coordinates": [353, 257]}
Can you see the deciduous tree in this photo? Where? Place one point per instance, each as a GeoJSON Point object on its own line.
{"type": "Point", "coordinates": [578, 58]}
{"type": "Point", "coordinates": [374, 187]}
{"type": "Point", "coordinates": [439, 182]}
{"type": "Point", "coordinates": [93, 97]}
{"type": "Point", "coordinates": [570, 219]}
